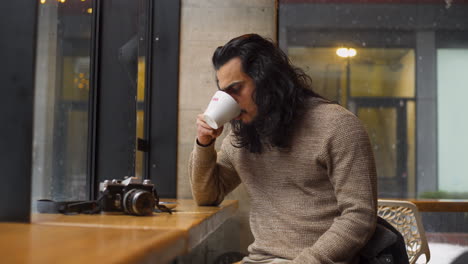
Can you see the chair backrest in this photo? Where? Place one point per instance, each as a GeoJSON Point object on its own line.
{"type": "Point", "coordinates": [405, 217]}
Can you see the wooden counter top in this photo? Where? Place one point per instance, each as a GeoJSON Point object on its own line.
{"type": "Point", "coordinates": [104, 238]}
{"type": "Point", "coordinates": [440, 205]}
{"type": "Point", "coordinates": [197, 222]}
{"type": "Point", "coordinates": [32, 243]}
{"type": "Point", "coordinates": [437, 205]}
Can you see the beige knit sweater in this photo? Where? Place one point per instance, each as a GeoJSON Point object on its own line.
{"type": "Point", "coordinates": [315, 203]}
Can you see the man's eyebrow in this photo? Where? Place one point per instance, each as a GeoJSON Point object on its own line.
{"type": "Point", "coordinates": [229, 86]}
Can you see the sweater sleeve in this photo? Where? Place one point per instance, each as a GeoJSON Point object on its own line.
{"type": "Point", "coordinates": [348, 156]}
{"type": "Point", "coordinates": [212, 175]}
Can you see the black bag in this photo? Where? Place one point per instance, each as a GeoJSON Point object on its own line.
{"type": "Point", "coordinates": [386, 246]}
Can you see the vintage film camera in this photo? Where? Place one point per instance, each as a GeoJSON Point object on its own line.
{"type": "Point", "coordinates": [130, 196]}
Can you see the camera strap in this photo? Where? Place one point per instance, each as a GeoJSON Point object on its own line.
{"type": "Point", "coordinates": [68, 207]}
{"type": "Point", "coordinates": [162, 208]}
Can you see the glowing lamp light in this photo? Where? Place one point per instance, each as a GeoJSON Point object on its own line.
{"type": "Point", "coordinates": [43, 1]}
{"type": "Point", "coordinates": [89, 10]}
{"type": "Point", "coordinates": [346, 52]}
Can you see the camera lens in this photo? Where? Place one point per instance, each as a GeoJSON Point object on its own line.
{"type": "Point", "coordinates": [139, 202]}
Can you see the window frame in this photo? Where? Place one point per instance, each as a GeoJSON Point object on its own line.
{"type": "Point", "coordinates": [17, 99]}
{"type": "Point", "coordinates": [161, 120]}
{"type": "Point", "coordinates": [161, 103]}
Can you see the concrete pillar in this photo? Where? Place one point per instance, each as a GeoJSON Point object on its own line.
{"type": "Point", "coordinates": [205, 25]}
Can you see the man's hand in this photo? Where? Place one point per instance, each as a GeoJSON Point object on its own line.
{"type": "Point", "coordinates": [206, 134]}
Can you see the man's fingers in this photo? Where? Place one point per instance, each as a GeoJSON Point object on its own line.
{"type": "Point", "coordinates": [201, 122]}
{"type": "Point", "coordinates": [206, 131]}
{"type": "Point", "coordinates": [218, 131]}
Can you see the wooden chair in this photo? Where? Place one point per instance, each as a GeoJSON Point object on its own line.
{"type": "Point", "coordinates": [405, 217]}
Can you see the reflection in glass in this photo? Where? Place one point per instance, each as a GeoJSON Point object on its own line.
{"type": "Point", "coordinates": [326, 69]}
{"type": "Point", "coordinates": [411, 148]}
{"type": "Point", "coordinates": [140, 97]}
{"type": "Point", "coordinates": [140, 116]}
{"type": "Point", "coordinates": [407, 83]}
{"type": "Point", "coordinates": [378, 85]}
{"type": "Point", "coordinates": [61, 100]}
{"type": "Point", "coordinates": [383, 72]}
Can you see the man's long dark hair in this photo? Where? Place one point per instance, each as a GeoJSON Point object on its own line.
{"type": "Point", "coordinates": [280, 94]}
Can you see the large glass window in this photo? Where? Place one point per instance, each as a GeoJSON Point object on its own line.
{"type": "Point", "coordinates": [452, 92]}
{"type": "Point", "coordinates": [397, 67]}
{"type": "Point", "coordinates": [65, 112]}
{"type": "Point", "coordinates": [62, 88]}
{"type": "Point", "coordinates": [92, 109]}
{"type": "Point", "coordinates": [401, 67]}
{"type": "Point", "coordinates": [378, 85]}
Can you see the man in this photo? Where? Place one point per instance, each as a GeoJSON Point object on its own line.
{"type": "Point", "coordinates": [306, 163]}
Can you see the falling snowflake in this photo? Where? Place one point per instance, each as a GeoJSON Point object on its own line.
{"type": "Point", "coordinates": [448, 3]}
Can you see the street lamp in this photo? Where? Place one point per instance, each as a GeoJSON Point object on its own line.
{"type": "Point", "coordinates": [347, 53]}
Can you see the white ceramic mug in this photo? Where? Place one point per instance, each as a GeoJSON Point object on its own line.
{"type": "Point", "coordinates": [221, 109]}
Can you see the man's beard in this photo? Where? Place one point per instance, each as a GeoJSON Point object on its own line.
{"type": "Point", "coordinates": [247, 135]}
{"type": "Point", "coordinates": [264, 131]}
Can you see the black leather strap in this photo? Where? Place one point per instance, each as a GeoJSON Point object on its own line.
{"type": "Point", "coordinates": [69, 207]}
